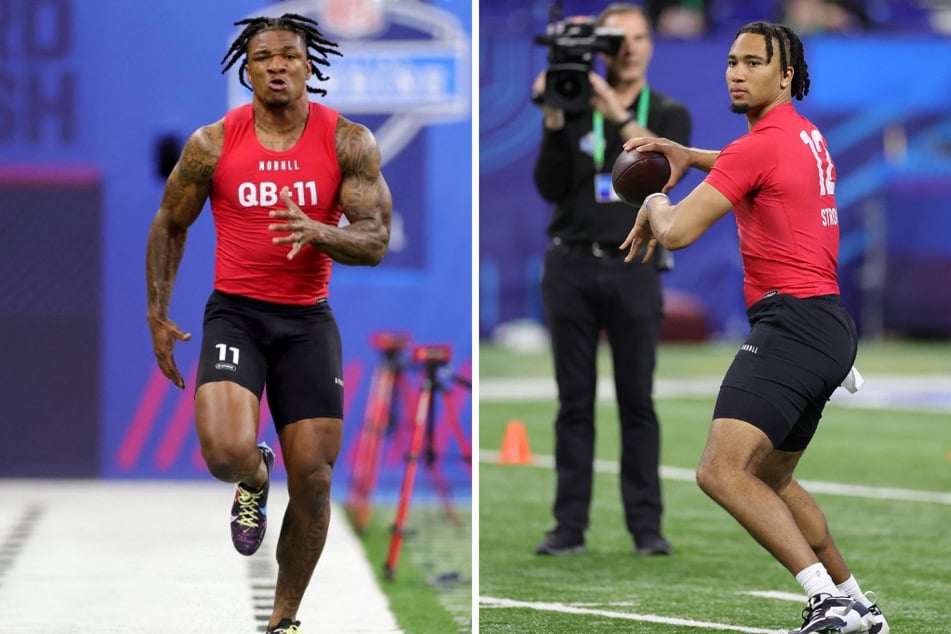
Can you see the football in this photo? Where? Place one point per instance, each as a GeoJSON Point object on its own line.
{"type": "Point", "coordinates": [639, 174]}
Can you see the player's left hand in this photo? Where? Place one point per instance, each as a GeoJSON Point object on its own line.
{"type": "Point", "coordinates": [640, 234]}
{"type": "Point", "coordinates": [677, 155]}
{"type": "Point", "coordinates": [301, 227]}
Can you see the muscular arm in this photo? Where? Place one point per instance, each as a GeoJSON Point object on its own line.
{"type": "Point", "coordinates": [678, 226]}
{"type": "Point", "coordinates": [703, 159]}
{"type": "Point", "coordinates": [365, 199]}
{"type": "Point", "coordinates": [186, 190]}
{"type": "Point", "coordinates": [675, 226]}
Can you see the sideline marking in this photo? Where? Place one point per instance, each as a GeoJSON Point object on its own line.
{"type": "Point", "coordinates": [925, 392]}
{"type": "Point", "coordinates": [775, 594]}
{"type": "Point", "coordinates": [813, 486]}
{"type": "Point", "coordinates": [495, 602]}
{"type": "Point", "coordinates": [12, 545]}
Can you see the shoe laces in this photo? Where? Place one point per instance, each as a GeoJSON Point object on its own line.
{"type": "Point", "coordinates": [813, 606]}
{"type": "Point", "coordinates": [248, 507]}
{"type": "Point", "coordinates": [819, 604]}
{"type": "Point", "coordinates": [286, 627]}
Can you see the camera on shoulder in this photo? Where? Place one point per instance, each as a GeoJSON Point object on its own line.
{"type": "Point", "coordinates": [571, 48]}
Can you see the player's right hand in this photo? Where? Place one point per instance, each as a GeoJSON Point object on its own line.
{"type": "Point", "coordinates": [677, 155]}
{"type": "Point", "coordinates": [164, 335]}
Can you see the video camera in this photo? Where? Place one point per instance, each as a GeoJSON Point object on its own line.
{"type": "Point", "coordinates": [571, 48]}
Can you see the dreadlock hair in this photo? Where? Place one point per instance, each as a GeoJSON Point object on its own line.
{"type": "Point", "coordinates": [790, 52]}
{"type": "Point", "coordinates": [317, 45]}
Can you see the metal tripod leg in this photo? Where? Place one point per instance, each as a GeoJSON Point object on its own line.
{"type": "Point", "coordinates": [423, 411]}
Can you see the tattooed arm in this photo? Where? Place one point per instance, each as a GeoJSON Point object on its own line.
{"type": "Point", "coordinates": [186, 190]}
{"type": "Point", "coordinates": [364, 197]}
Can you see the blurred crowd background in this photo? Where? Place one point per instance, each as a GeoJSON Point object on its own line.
{"type": "Point", "coordinates": [881, 85]}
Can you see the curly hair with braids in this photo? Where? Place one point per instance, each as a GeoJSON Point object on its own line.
{"type": "Point", "coordinates": [790, 52]}
{"type": "Point", "coordinates": [318, 47]}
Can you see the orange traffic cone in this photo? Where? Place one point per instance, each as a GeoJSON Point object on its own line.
{"type": "Point", "coordinates": [515, 449]}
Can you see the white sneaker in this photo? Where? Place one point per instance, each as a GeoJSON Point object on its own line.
{"type": "Point", "coordinates": [879, 625]}
{"type": "Point", "coordinates": [825, 614]}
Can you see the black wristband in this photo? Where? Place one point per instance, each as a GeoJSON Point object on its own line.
{"type": "Point", "coordinates": [626, 121]}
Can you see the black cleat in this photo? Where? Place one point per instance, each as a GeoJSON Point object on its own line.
{"type": "Point", "coordinates": [560, 542]}
{"type": "Point", "coordinates": [655, 545]}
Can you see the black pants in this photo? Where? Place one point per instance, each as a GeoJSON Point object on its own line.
{"type": "Point", "coordinates": [585, 295]}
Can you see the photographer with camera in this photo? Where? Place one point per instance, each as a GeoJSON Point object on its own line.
{"type": "Point", "coordinates": [586, 287]}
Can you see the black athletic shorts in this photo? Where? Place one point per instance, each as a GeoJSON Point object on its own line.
{"type": "Point", "coordinates": [293, 350]}
{"type": "Point", "coordinates": [797, 354]}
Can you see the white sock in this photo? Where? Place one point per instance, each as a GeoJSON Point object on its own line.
{"type": "Point", "coordinates": [850, 587]}
{"type": "Point", "coordinates": [816, 580]}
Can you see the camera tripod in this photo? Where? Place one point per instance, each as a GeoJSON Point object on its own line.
{"type": "Point", "coordinates": [433, 358]}
{"type": "Point", "coordinates": [380, 418]}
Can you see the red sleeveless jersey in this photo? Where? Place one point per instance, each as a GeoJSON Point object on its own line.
{"type": "Point", "coordinates": [247, 186]}
{"type": "Point", "coordinates": [780, 179]}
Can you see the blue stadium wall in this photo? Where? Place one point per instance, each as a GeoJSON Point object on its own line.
{"type": "Point", "coordinates": [881, 99]}
{"type": "Point", "coordinates": [89, 92]}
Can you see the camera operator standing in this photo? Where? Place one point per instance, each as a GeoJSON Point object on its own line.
{"type": "Point", "coordinates": [586, 287]}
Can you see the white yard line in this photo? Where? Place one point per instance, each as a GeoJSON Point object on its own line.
{"type": "Point", "coordinates": [931, 392]}
{"type": "Point", "coordinates": [775, 594]}
{"type": "Point", "coordinates": [596, 609]}
{"type": "Point", "coordinates": [813, 486]}
{"type": "Point", "coordinates": [155, 557]}
{"type": "Point", "coordinates": [564, 608]}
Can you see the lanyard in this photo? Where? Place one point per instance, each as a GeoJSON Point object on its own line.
{"type": "Point", "coordinates": [643, 104]}
{"type": "Point", "coordinates": [597, 126]}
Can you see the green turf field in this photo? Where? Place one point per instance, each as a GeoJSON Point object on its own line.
{"type": "Point", "coordinates": [884, 472]}
{"type": "Point", "coordinates": [431, 589]}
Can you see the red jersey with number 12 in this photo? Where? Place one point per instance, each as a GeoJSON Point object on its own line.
{"type": "Point", "coordinates": [780, 179]}
{"type": "Point", "coordinates": [247, 186]}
